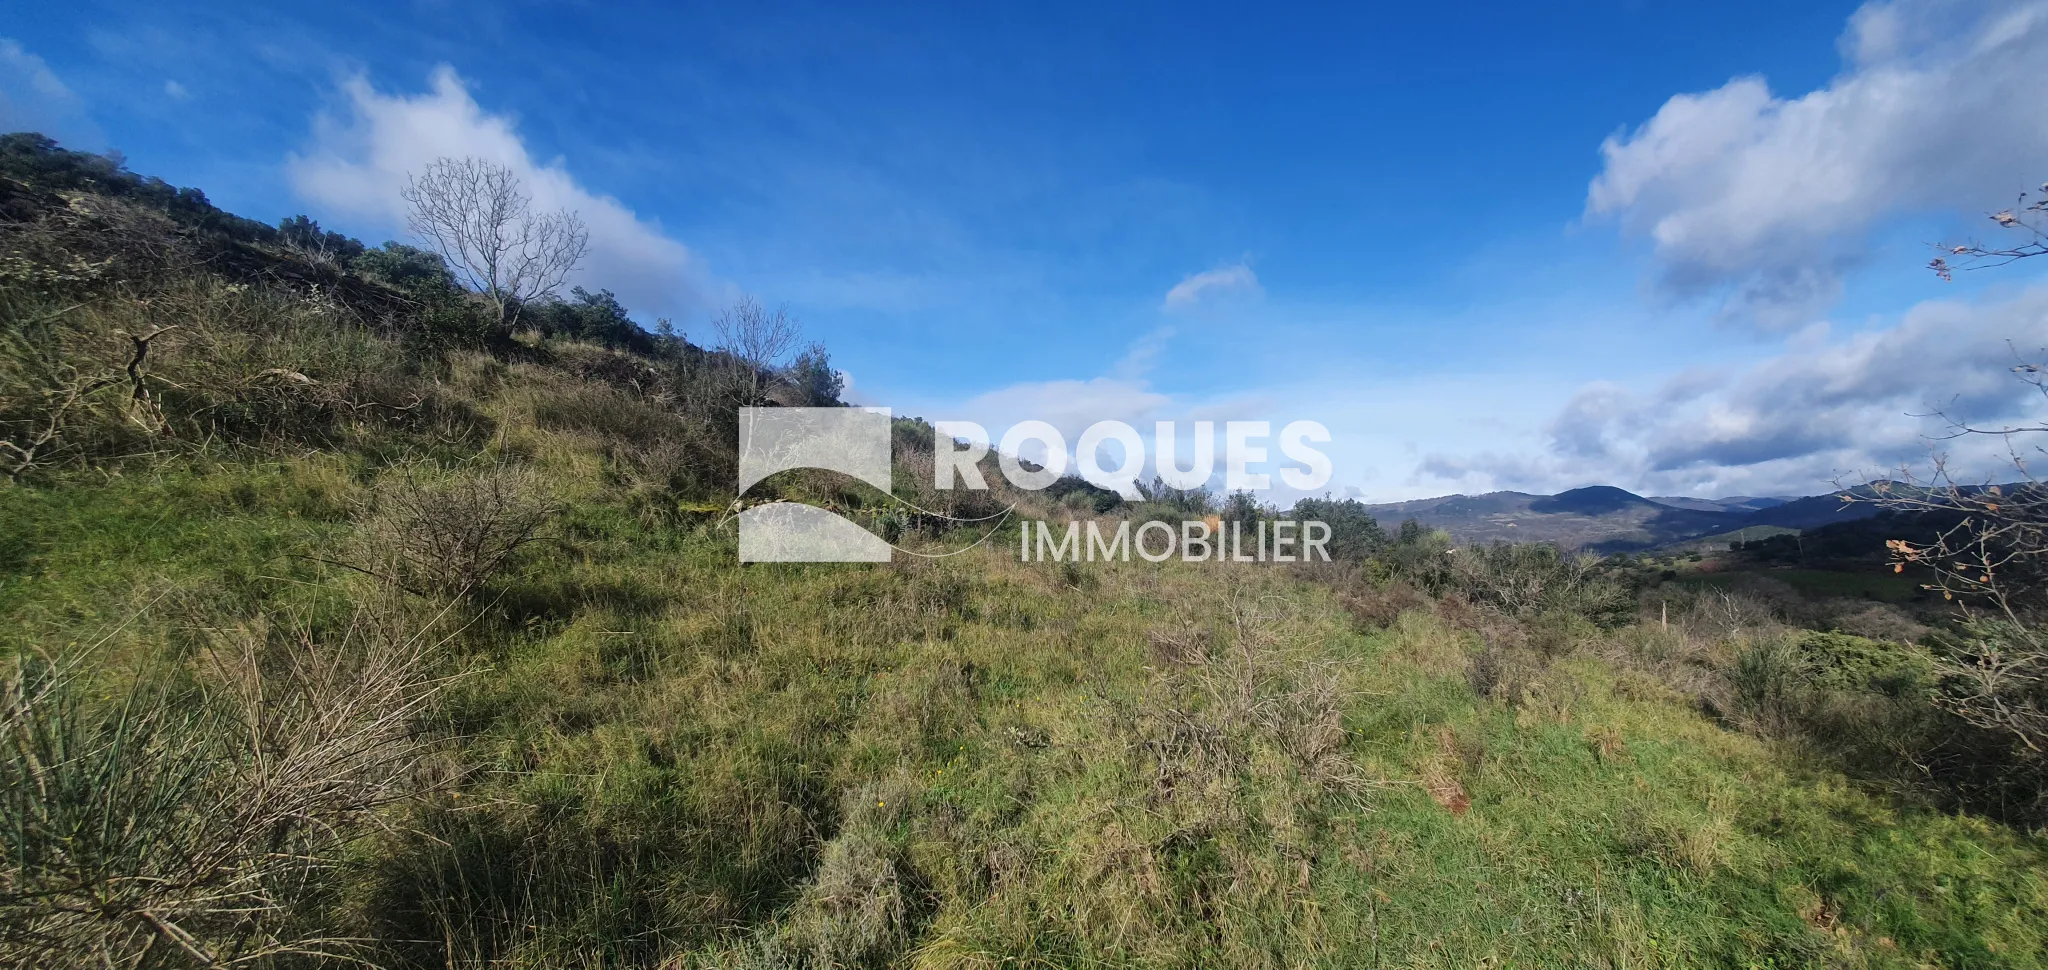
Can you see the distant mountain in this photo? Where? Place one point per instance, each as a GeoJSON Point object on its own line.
{"type": "Point", "coordinates": [1732, 503]}
{"type": "Point", "coordinates": [1812, 513]}
{"type": "Point", "coordinates": [1603, 518]}
{"type": "Point", "coordinates": [1591, 500]}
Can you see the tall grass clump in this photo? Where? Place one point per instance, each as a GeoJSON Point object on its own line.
{"type": "Point", "coordinates": [194, 816]}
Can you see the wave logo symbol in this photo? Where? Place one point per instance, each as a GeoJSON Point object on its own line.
{"type": "Point", "coordinates": [851, 441]}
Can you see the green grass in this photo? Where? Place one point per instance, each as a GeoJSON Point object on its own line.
{"type": "Point", "coordinates": [650, 756]}
{"type": "Point", "coordinates": [973, 762]}
{"type": "Point", "coordinates": [79, 559]}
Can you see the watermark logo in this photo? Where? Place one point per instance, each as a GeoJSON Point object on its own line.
{"type": "Point", "coordinates": [856, 442]}
{"type": "Point", "coordinates": [851, 441]}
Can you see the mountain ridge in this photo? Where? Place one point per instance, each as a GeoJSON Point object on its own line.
{"type": "Point", "coordinates": [1609, 519]}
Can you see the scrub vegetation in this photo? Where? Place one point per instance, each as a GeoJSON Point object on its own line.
{"type": "Point", "coordinates": [354, 617]}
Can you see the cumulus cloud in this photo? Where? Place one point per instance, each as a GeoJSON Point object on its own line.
{"type": "Point", "coordinates": [357, 164]}
{"type": "Point", "coordinates": [1823, 408]}
{"type": "Point", "coordinates": [1238, 280]}
{"type": "Point", "coordinates": [32, 98]}
{"type": "Point", "coordinates": [1768, 200]}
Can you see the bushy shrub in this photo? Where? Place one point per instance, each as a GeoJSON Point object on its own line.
{"type": "Point", "coordinates": [1354, 533]}
{"type": "Point", "coordinates": [1532, 579]}
{"type": "Point", "coordinates": [449, 534]}
{"type": "Point", "coordinates": [1770, 679]}
{"type": "Point", "coordinates": [1080, 495]}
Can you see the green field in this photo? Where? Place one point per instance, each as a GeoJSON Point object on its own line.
{"type": "Point", "coordinates": [977, 762]}
{"type": "Point", "coordinates": [368, 623]}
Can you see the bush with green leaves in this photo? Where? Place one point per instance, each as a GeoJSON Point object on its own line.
{"type": "Point", "coordinates": [1354, 533]}
{"type": "Point", "coordinates": [1531, 579]}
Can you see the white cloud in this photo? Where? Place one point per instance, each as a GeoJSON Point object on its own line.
{"type": "Point", "coordinates": [1824, 407]}
{"type": "Point", "coordinates": [1767, 201]}
{"type": "Point", "coordinates": [32, 98]}
{"type": "Point", "coordinates": [1237, 280]}
{"type": "Point", "coordinates": [357, 164]}
{"type": "Point", "coordinates": [1069, 405]}
{"type": "Point", "coordinates": [176, 91]}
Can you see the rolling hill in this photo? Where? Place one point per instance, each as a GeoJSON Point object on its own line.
{"type": "Point", "coordinates": [1603, 518]}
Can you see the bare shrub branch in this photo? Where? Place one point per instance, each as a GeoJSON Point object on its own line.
{"type": "Point", "coordinates": [2029, 219]}
{"type": "Point", "coordinates": [438, 534]}
{"type": "Point", "coordinates": [1989, 555]}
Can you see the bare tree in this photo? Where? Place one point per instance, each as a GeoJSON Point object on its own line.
{"type": "Point", "coordinates": [1990, 555]}
{"type": "Point", "coordinates": [476, 214]}
{"type": "Point", "coordinates": [755, 340]}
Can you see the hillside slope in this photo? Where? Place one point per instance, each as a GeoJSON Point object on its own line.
{"type": "Point", "coordinates": [348, 633]}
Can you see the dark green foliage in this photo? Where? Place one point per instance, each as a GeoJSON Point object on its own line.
{"type": "Point", "coordinates": [817, 384]}
{"type": "Point", "coordinates": [305, 235]}
{"type": "Point", "coordinates": [1354, 533]}
{"type": "Point", "coordinates": [1095, 498]}
{"type": "Point", "coordinates": [1848, 662]}
{"type": "Point", "coordinates": [1859, 543]}
{"type": "Point", "coordinates": [1243, 506]}
{"type": "Point", "coordinates": [38, 161]}
{"type": "Point", "coordinates": [410, 269]}
{"type": "Point", "coordinates": [595, 317]}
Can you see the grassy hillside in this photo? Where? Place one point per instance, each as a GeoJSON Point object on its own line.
{"type": "Point", "coordinates": [353, 631]}
{"type": "Point", "coordinates": [657, 756]}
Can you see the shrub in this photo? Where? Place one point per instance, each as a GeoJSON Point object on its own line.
{"type": "Point", "coordinates": [1528, 580]}
{"type": "Point", "coordinates": [1847, 662]}
{"type": "Point", "coordinates": [1354, 533]}
{"type": "Point", "coordinates": [1768, 678]}
{"type": "Point", "coordinates": [450, 535]}
{"type": "Point", "coordinates": [192, 823]}
{"type": "Point", "coordinates": [1379, 604]}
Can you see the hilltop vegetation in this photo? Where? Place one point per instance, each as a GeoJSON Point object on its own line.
{"type": "Point", "coordinates": [347, 623]}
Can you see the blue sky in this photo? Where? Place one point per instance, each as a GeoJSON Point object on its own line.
{"type": "Point", "coordinates": [1670, 247]}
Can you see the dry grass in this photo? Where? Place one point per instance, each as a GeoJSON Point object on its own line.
{"type": "Point", "coordinates": [195, 825]}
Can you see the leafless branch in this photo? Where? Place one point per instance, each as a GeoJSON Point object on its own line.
{"type": "Point", "coordinates": [475, 213]}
